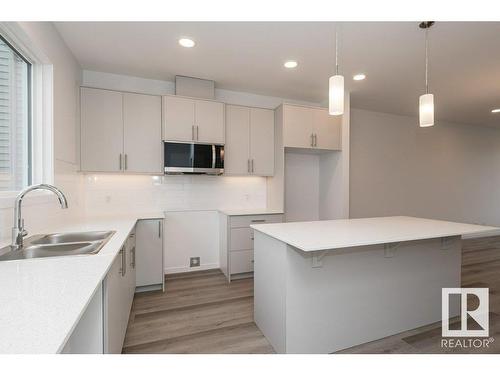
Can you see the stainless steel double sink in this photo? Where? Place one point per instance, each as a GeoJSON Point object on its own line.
{"type": "Point", "coordinates": [58, 244]}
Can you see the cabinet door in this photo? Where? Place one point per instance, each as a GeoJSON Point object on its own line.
{"type": "Point", "coordinates": [241, 261]}
{"type": "Point", "coordinates": [101, 130]}
{"type": "Point", "coordinates": [178, 120]}
{"type": "Point", "coordinates": [142, 143]}
{"type": "Point", "coordinates": [149, 252]}
{"type": "Point", "coordinates": [115, 316]}
{"type": "Point", "coordinates": [297, 126]}
{"type": "Point", "coordinates": [262, 141]}
{"type": "Point", "coordinates": [209, 120]}
{"type": "Point", "coordinates": [327, 130]}
{"type": "Point", "coordinates": [237, 147]}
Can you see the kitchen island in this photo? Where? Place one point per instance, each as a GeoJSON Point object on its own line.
{"type": "Point", "coordinates": [325, 286]}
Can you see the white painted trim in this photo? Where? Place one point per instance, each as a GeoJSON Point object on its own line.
{"type": "Point", "coordinates": [203, 267]}
{"type": "Point", "coordinates": [42, 102]}
{"type": "Point", "coordinates": [43, 129]}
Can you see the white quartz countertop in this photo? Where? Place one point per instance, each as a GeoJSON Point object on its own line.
{"type": "Point", "coordinates": [255, 211]}
{"type": "Point", "coordinates": [43, 299]}
{"type": "Point", "coordinates": [335, 234]}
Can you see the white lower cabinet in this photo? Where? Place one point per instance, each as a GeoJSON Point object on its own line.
{"type": "Point", "coordinates": [104, 322]}
{"type": "Point", "coordinates": [119, 287]}
{"type": "Point", "coordinates": [87, 337]}
{"type": "Point", "coordinates": [236, 242]}
{"type": "Point", "coordinates": [149, 251]}
{"type": "Point", "coordinates": [241, 261]}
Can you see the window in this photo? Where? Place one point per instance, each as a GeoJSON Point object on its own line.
{"type": "Point", "coordinates": [15, 119]}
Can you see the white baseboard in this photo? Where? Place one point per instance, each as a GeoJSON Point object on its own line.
{"type": "Point", "coordinates": [202, 267]}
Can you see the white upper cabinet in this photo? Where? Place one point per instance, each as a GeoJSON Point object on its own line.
{"type": "Point", "coordinates": [249, 148]}
{"type": "Point", "coordinates": [188, 120]}
{"type": "Point", "coordinates": [327, 130]}
{"type": "Point", "coordinates": [311, 128]}
{"type": "Point", "coordinates": [142, 142]}
{"type": "Point", "coordinates": [297, 127]}
{"type": "Point", "coordinates": [101, 130]}
{"type": "Point", "coordinates": [209, 121]}
{"type": "Point", "coordinates": [237, 147]}
{"type": "Point", "coordinates": [120, 132]}
{"type": "Point", "coordinates": [262, 141]}
{"type": "Point", "coordinates": [178, 119]}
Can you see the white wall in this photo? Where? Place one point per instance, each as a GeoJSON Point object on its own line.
{"type": "Point", "coordinates": [449, 171]}
{"type": "Point", "coordinates": [42, 212]}
{"type": "Point", "coordinates": [301, 186]}
{"type": "Point", "coordinates": [196, 197]}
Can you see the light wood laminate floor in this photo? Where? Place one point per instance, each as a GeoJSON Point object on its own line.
{"type": "Point", "coordinates": [199, 313]}
{"type": "Point", "coordinates": [202, 313]}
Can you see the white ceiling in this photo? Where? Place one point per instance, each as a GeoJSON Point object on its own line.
{"type": "Point", "coordinates": [464, 60]}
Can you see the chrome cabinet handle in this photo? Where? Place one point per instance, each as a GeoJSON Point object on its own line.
{"type": "Point", "coordinates": [197, 133]}
{"type": "Point", "coordinates": [124, 262]}
{"type": "Point", "coordinates": [252, 165]}
{"type": "Point", "coordinates": [192, 132]}
{"type": "Point", "coordinates": [123, 269]}
{"type": "Point", "coordinates": [312, 140]}
{"type": "Point", "coordinates": [248, 165]}
{"type": "Point", "coordinates": [159, 229]}
{"type": "Point", "coordinates": [120, 161]}
{"type": "Point", "coordinates": [258, 221]}
{"type": "Point", "coordinates": [315, 140]}
{"type": "Point", "coordinates": [126, 167]}
{"type": "Point", "coordinates": [132, 261]}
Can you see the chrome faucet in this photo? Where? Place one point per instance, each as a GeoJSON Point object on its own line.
{"type": "Point", "coordinates": [18, 231]}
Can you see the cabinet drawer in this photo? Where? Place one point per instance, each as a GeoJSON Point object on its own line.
{"type": "Point", "coordinates": [246, 221]}
{"type": "Point", "coordinates": [241, 261]}
{"type": "Point", "coordinates": [241, 239]}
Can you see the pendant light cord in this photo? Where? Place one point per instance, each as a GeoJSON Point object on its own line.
{"type": "Point", "coordinates": [336, 50]}
{"type": "Point", "coordinates": [426, 60]}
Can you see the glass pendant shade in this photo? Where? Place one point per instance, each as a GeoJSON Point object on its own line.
{"type": "Point", "coordinates": [426, 110]}
{"type": "Point", "coordinates": [336, 95]}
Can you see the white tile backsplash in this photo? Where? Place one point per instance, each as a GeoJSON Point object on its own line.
{"type": "Point", "coordinates": [115, 194]}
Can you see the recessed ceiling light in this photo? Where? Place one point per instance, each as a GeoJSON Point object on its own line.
{"type": "Point", "coordinates": [359, 77]}
{"type": "Point", "coordinates": [496, 110]}
{"type": "Point", "coordinates": [290, 64]}
{"type": "Point", "coordinates": [186, 42]}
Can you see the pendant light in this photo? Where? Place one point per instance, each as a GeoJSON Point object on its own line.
{"type": "Point", "coordinates": [426, 102]}
{"type": "Point", "coordinates": [336, 85]}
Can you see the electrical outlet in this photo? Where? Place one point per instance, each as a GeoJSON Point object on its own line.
{"type": "Point", "coordinates": [194, 262]}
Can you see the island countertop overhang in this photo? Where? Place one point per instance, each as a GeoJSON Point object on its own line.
{"type": "Point", "coordinates": [336, 234]}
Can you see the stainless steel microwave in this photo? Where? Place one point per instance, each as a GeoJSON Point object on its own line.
{"type": "Point", "coordinates": [193, 158]}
